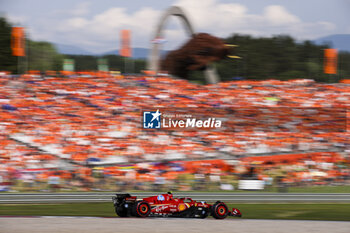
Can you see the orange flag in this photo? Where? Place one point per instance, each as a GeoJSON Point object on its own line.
{"type": "Point", "coordinates": [125, 49]}
{"type": "Point", "coordinates": [18, 41]}
{"type": "Point", "coordinates": [330, 61]}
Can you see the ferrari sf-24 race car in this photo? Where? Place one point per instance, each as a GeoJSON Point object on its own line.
{"type": "Point", "coordinates": [165, 205]}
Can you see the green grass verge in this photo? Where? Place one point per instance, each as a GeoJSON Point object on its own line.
{"type": "Point", "coordinates": [320, 189]}
{"type": "Point", "coordinates": [334, 212]}
{"type": "Point", "coordinates": [64, 209]}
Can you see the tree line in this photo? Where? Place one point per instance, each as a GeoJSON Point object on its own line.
{"type": "Point", "coordinates": [279, 57]}
{"type": "Point", "coordinates": [115, 62]}
{"type": "Point", "coordinates": [40, 55]}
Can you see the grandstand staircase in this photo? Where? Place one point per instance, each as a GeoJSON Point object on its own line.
{"type": "Point", "coordinates": [23, 140]}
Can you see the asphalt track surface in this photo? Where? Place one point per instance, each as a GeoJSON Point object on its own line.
{"type": "Point", "coordinates": [169, 225]}
{"type": "Point", "coordinates": [7, 198]}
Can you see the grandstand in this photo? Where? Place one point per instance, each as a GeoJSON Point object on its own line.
{"type": "Point", "coordinates": [84, 126]}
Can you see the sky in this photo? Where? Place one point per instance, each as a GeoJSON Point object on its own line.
{"type": "Point", "coordinates": [95, 25]}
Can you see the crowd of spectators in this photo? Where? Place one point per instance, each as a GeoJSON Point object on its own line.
{"type": "Point", "coordinates": [56, 130]}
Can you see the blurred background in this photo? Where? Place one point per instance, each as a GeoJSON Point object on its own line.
{"type": "Point", "coordinates": [72, 95]}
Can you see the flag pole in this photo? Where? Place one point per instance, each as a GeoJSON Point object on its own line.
{"type": "Point", "coordinates": [17, 64]}
{"type": "Point", "coordinates": [26, 44]}
{"type": "Point", "coordinates": [125, 66]}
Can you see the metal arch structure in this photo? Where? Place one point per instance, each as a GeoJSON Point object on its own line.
{"type": "Point", "coordinates": [154, 57]}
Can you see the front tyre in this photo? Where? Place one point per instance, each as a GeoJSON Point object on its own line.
{"type": "Point", "coordinates": [141, 209]}
{"type": "Point", "coordinates": [219, 210]}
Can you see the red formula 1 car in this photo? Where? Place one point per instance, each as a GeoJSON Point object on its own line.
{"type": "Point", "coordinates": [165, 205]}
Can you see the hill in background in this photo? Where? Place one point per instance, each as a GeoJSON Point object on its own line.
{"type": "Point", "coordinates": [337, 41]}
{"type": "Point", "coordinates": [138, 53]}
{"type": "Point", "coordinates": [72, 49]}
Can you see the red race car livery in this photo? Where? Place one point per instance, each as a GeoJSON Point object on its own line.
{"type": "Point", "coordinates": [166, 205]}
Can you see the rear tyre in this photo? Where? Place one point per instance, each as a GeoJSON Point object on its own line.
{"type": "Point", "coordinates": [219, 210]}
{"type": "Point", "coordinates": [121, 211]}
{"type": "Point", "coordinates": [141, 209]}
